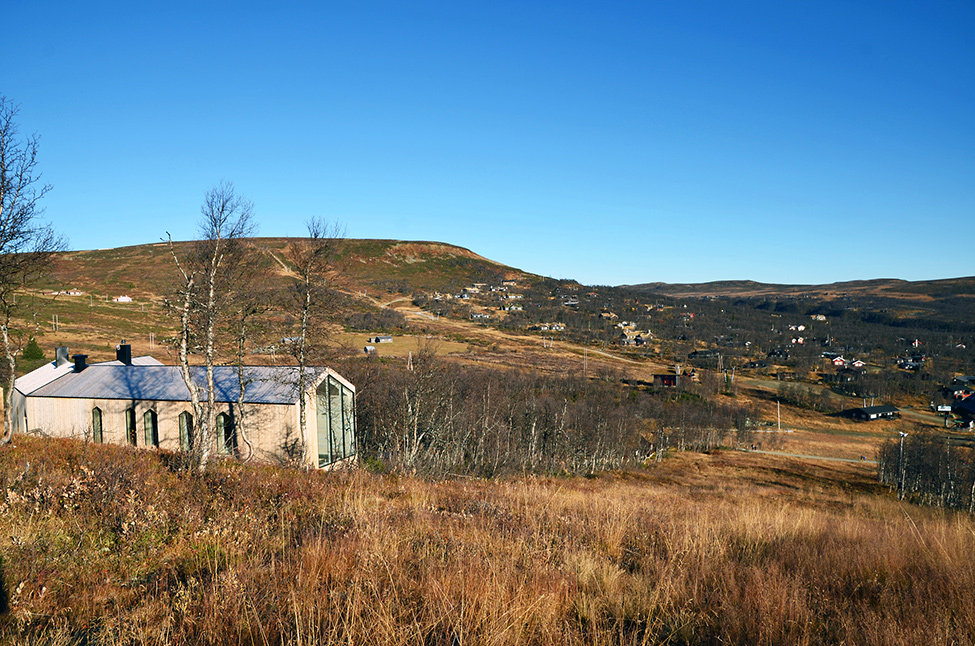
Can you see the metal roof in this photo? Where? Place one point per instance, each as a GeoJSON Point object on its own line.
{"type": "Point", "coordinates": [136, 361]}
{"type": "Point", "coordinates": [263, 384]}
{"type": "Point", "coordinates": [42, 376]}
{"type": "Point", "coordinates": [51, 371]}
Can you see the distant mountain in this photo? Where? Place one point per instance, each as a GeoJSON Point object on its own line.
{"type": "Point", "coordinates": [881, 287]}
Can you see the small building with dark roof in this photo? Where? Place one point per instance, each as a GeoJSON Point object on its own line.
{"type": "Point", "coordinates": [869, 413]}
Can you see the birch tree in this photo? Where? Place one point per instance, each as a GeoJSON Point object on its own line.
{"type": "Point", "coordinates": [26, 244]}
{"type": "Point", "coordinates": [206, 282]}
{"type": "Point", "coordinates": [311, 259]}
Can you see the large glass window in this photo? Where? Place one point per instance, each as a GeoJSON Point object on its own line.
{"type": "Point", "coordinates": [149, 423]}
{"type": "Point", "coordinates": [335, 422]}
{"type": "Point", "coordinates": [96, 425]}
{"type": "Point", "coordinates": [185, 430]}
{"type": "Point", "coordinates": [130, 425]}
{"type": "Point", "coordinates": [225, 434]}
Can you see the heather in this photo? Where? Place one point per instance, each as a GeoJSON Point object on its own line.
{"type": "Point", "coordinates": [105, 544]}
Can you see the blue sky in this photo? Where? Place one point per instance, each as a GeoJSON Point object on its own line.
{"type": "Point", "coordinates": [622, 142]}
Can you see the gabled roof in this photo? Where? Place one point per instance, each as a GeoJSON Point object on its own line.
{"type": "Point", "coordinates": [51, 371]}
{"type": "Point", "coordinates": [42, 376]}
{"type": "Point", "coordinates": [263, 384]}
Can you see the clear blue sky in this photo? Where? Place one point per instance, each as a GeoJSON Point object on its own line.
{"type": "Point", "coordinates": [611, 142]}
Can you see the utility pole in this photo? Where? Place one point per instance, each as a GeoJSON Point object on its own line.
{"type": "Point", "coordinates": [900, 486]}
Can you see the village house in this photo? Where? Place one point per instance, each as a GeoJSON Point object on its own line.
{"type": "Point", "coordinates": [666, 380]}
{"type": "Point", "coordinates": [140, 402]}
{"type": "Point", "coordinates": [869, 413]}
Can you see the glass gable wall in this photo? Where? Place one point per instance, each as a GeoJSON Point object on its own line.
{"type": "Point", "coordinates": [335, 422]}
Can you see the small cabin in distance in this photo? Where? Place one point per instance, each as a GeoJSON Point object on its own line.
{"type": "Point", "coordinates": [870, 413]}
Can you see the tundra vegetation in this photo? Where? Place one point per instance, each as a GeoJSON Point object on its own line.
{"type": "Point", "coordinates": [108, 544]}
{"type": "Point", "coordinates": [930, 468]}
{"type": "Point", "coordinates": [437, 418]}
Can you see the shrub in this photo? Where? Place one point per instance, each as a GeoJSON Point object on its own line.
{"type": "Point", "coordinates": [33, 352]}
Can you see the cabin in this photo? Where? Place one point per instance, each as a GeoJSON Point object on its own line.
{"type": "Point", "coordinates": [870, 413]}
{"type": "Point", "coordinates": [666, 380]}
{"type": "Point", "coordinates": [140, 402]}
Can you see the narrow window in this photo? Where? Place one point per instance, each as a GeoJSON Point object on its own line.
{"type": "Point", "coordinates": [151, 428]}
{"type": "Point", "coordinates": [130, 425]}
{"type": "Point", "coordinates": [335, 419]}
{"type": "Point", "coordinates": [225, 433]}
{"type": "Point", "coordinates": [185, 431]}
{"type": "Point", "coordinates": [321, 417]}
{"type": "Point", "coordinates": [96, 425]}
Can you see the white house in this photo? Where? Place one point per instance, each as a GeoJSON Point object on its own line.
{"type": "Point", "coordinates": [141, 402]}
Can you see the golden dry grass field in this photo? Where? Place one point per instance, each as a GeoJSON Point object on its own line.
{"type": "Point", "coordinates": [103, 544]}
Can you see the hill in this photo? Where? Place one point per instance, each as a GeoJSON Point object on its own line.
{"type": "Point", "coordinates": [882, 287]}
{"type": "Point", "coordinates": [148, 270]}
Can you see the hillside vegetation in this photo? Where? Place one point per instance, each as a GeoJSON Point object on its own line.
{"type": "Point", "coordinates": [106, 544]}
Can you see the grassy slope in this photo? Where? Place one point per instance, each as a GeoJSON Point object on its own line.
{"type": "Point", "coordinates": [147, 271]}
{"type": "Point", "coordinates": [93, 324]}
{"type": "Point", "coordinates": [106, 544]}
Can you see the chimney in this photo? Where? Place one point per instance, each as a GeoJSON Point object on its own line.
{"type": "Point", "coordinates": [60, 356]}
{"type": "Point", "coordinates": [79, 362]}
{"type": "Point", "coordinates": [123, 352]}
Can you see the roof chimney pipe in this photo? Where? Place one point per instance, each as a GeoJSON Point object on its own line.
{"type": "Point", "coordinates": [123, 352]}
{"type": "Point", "coordinates": [61, 356]}
{"type": "Point", "coordinates": [79, 362]}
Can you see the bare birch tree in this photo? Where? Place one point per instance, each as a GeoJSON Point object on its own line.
{"type": "Point", "coordinates": [249, 300]}
{"type": "Point", "coordinates": [311, 258]}
{"type": "Point", "coordinates": [206, 282]}
{"type": "Point", "coordinates": [26, 244]}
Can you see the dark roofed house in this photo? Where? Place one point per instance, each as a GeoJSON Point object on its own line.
{"type": "Point", "coordinates": [965, 407]}
{"type": "Point", "coordinates": [869, 413]}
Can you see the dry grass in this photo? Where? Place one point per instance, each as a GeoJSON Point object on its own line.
{"type": "Point", "coordinates": [107, 545]}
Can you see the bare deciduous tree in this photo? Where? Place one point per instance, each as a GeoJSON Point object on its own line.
{"type": "Point", "coordinates": [311, 258]}
{"type": "Point", "coordinates": [207, 281]}
{"type": "Point", "coordinates": [26, 244]}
